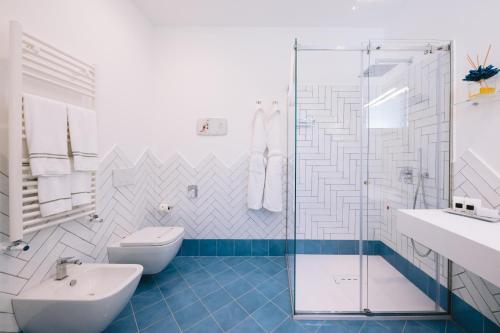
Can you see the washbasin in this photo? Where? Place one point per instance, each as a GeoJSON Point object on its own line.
{"type": "Point", "coordinates": [86, 301]}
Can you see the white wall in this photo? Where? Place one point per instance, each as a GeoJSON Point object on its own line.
{"type": "Point", "coordinates": [221, 72]}
{"type": "Point", "coordinates": [475, 128]}
{"type": "Point", "coordinates": [111, 34]}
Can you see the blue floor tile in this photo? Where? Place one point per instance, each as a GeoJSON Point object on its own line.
{"type": "Point", "coordinates": [167, 276]}
{"type": "Point", "coordinates": [216, 300]}
{"type": "Point", "coordinates": [283, 301]}
{"type": "Point", "coordinates": [270, 288]}
{"type": "Point", "coordinates": [216, 267]}
{"type": "Point", "coordinates": [146, 283]}
{"type": "Point", "coordinates": [206, 287]}
{"type": "Point", "coordinates": [127, 311]}
{"type": "Point", "coordinates": [205, 261]}
{"type": "Point", "coordinates": [145, 299]}
{"type": "Point", "coordinates": [233, 261]}
{"type": "Point", "coordinates": [207, 325]}
{"type": "Point", "coordinates": [122, 325]}
{"type": "Point", "coordinates": [252, 300]}
{"type": "Point", "coordinates": [245, 294]}
{"type": "Point", "coordinates": [374, 327]}
{"type": "Point", "coordinates": [167, 324]}
{"type": "Point", "coordinates": [187, 268]}
{"type": "Point", "coordinates": [256, 277]}
{"type": "Point", "coordinates": [190, 315]}
{"type": "Point", "coordinates": [247, 326]}
{"type": "Point", "coordinates": [196, 277]}
{"type": "Point", "coordinates": [269, 316]}
{"type": "Point", "coordinates": [230, 315]}
{"type": "Point", "coordinates": [291, 326]}
{"type": "Point", "coordinates": [330, 326]}
{"type": "Point", "coordinates": [173, 287]}
{"type": "Point", "coordinates": [181, 299]}
{"type": "Point", "coordinates": [311, 325]}
{"type": "Point", "coordinates": [271, 268]}
{"type": "Point", "coordinates": [393, 325]}
{"type": "Point", "coordinates": [226, 277]}
{"type": "Point", "coordinates": [437, 326]}
{"type": "Point", "coordinates": [353, 326]}
{"type": "Point", "coordinates": [238, 288]}
{"type": "Point", "coordinates": [152, 314]}
{"type": "Point", "coordinates": [244, 268]}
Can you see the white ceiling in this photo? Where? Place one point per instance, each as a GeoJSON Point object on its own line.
{"type": "Point", "coordinates": [273, 13]}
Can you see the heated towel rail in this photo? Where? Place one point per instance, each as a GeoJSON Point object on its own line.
{"type": "Point", "coordinates": [42, 69]}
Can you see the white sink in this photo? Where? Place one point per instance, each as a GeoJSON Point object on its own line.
{"type": "Point", "coordinates": [101, 291]}
{"type": "Point", "coordinates": [471, 243]}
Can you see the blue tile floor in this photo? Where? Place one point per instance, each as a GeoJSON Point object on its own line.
{"type": "Point", "coordinates": [234, 294]}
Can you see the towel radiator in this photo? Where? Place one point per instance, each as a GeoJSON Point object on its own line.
{"type": "Point", "coordinates": [40, 68]}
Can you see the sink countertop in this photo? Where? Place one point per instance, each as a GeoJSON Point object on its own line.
{"type": "Point", "coordinates": [471, 243]}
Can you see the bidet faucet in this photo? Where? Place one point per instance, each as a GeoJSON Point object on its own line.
{"type": "Point", "coordinates": [61, 269]}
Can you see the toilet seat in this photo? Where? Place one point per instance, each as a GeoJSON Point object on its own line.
{"type": "Point", "coordinates": [153, 236]}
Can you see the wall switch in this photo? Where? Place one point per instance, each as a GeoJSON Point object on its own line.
{"type": "Point", "coordinates": [123, 177]}
{"type": "Point", "coordinates": [211, 126]}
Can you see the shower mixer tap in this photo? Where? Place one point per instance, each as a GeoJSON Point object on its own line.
{"type": "Point", "coordinates": [406, 175]}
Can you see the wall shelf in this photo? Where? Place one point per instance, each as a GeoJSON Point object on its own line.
{"type": "Point", "coordinates": [481, 99]}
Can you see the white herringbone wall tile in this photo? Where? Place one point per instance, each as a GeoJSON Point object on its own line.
{"type": "Point", "coordinates": [328, 162]}
{"type": "Point", "coordinates": [475, 178]}
{"type": "Point", "coordinates": [220, 209]}
{"type": "Point", "coordinates": [19, 271]}
{"type": "Point", "coordinates": [396, 148]}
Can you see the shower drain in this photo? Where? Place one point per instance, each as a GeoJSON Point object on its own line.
{"type": "Point", "coordinates": [345, 278]}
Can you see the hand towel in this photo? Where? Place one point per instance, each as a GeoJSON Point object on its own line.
{"type": "Point", "coordinates": [46, 125]}
{"type": "Point", "coordinates": [257, 168]}
{"type": "Point", "coordinates": [81, 193]}
{"type": "Point", "coordinates": [83, 136]}
{"type": "Point", "coordinates": [54, 194]}
{"type": "Point", "coordinates": [273, 189]}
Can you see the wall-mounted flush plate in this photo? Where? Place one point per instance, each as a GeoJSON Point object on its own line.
{"type": "Point", "coordinates": [211, 126]}
{"type": "Point", "coordinates": [192, 191]}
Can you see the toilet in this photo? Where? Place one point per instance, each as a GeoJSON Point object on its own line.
{"type": "Point", "coordinates": [151, 247]}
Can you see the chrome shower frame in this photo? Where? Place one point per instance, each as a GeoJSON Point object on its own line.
{"type": "Point", "coordinates": [367, 48]}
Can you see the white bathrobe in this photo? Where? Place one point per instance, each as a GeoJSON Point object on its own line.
{"type": "Point", "coordinates": [257, 169]}
{"type": "Point", "coordinates": [273, 189]}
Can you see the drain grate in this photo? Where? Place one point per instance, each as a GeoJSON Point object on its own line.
{"type": "Point", "coordinates": [345, 278]}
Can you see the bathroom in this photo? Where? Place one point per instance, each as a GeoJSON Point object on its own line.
{"type": "Point", "coordinates": [187, 229]}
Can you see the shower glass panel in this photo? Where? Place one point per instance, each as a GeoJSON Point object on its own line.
{"type": "Point", "coordinates": [368, 131]}
{"type": "Point", "coordinates": [406, 107]}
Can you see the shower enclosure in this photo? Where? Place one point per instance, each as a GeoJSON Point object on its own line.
{"type": "Point", "coordinates": [368, 134]}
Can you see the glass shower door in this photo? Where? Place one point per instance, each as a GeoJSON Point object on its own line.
{"type": "Point", "coordinates": [327, 183]}
{"type": "Point", "coordinates": [406, 107]}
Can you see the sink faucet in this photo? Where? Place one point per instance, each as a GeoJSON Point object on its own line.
{"type": "Point", "coordinates": [61, 263]}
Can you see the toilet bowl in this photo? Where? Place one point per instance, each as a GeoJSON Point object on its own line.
{"type": "Point", "coordinates": [151, 247]}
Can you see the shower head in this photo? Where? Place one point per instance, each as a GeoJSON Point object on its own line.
{"type": "Point", "coordinates": [384, 65]}
{"type": "Point", "coordinates": [378, 70]}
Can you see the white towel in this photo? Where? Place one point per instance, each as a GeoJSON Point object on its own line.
{"type": "Point", "coordinates": [273, 189]}
{"type": "Point", "coordinates": [54, 194]}
{"type": "Point", "coordinates": [46, 124]}
{"type": "Point", "coordinates": [257, 168]}
{"type": "Point", "coordinates": [83, 135]}
{"type": "Point", "coordinates": [81, 193]}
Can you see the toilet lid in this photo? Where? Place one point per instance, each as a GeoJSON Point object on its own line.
{"type": "Point", "coordinates": [153, 236]}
